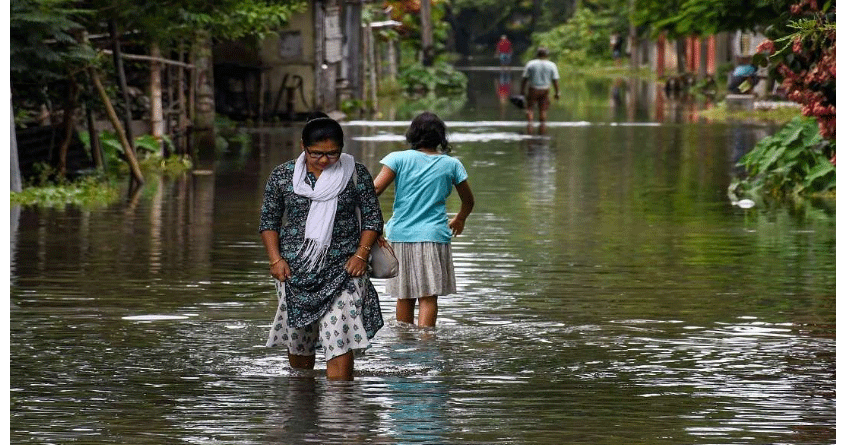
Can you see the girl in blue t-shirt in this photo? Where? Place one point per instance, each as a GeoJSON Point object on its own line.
{"type": "Point", "coordinates": [419, 230]}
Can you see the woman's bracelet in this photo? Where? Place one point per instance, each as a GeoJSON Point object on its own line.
{"type": "Point", "coordinates": [274, 263]}
{"type": "Point", "coordinates": [365, 247]}
{"type": "Point", "coordinates": [360, 257]}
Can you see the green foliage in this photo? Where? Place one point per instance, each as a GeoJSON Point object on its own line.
{"type": "Point", "coordinates": [580, 41]}
{"type": "Point", "coordinates": [146, 146]}
{"type": "Point", "coordinates": [408, 13]}
{"type": "Point", "coordinates": [43, 50]}
{"type": "Point", "coordinates": [170, 166]}
{"type": "Point", "coordinates": [792, 162]}
{"type": "Point", "coordinates": [352, 107]}
{"type": "Point", "coordinates": [241, 18]}
{"type": "Point", "coordinates": [89, 191]}
{"type": "Point", "coordinates": [679, 18]}
{"type": "Point", "coordinates": [441, 78]}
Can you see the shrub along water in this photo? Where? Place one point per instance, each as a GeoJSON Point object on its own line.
{"type": "Point", "coordinates": [795, 161]}
{"type": "Point", "coordinates": [97, 188]}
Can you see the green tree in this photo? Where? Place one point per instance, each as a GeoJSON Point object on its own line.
{"type": "Point", "coordinates": [168, 24]}
{"type": "Point", "coordinates": [584, 37]}
{"type": "Point", "coordinates": [51, 59]}
{"type": "Point", "coordinates": [44, 51]}
{"type": "Point", "coordinates": [680, 18]}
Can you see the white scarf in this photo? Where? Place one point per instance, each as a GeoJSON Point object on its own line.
{"type": "Point", "coordinates": [324, 203]}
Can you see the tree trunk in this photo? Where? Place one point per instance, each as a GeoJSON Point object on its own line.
{"type": "Point", "coordinates": [537, 10]}
{"type": "Point", "coordinates": [203, 80]}
{"type": "Point", "coordinates": [156, 112]}
{"type": "Point", "coordinates": [67, 125]}
{"type": "Point", "coordinates": [14, 164]}
{"type": "Point", "coordinates": [93, 136]}
{"type": "Point", "coordinates": [121, 78]}
{"type": "Point", "coordinates": [681, 58]}
{"type": "Point", "coordinates": [184, 105]}
{"type": "Point", "coordinates": [426, 32]}
{"type": "Point", "coordinates": [660, 45]}
{"type": "Point", "coordinates": [371, 68]}
{"type": "Point", "coordinates": [113, 117]}
{"type": "Point", "coordinates": [392, 60]}
{"type": "Point", "coordinates": [634, 61]}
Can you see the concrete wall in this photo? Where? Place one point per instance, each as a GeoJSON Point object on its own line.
{"type": "Point", "coordinates": [291, 53]}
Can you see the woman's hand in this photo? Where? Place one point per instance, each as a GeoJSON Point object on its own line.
{"type": "Point", "coordinates": [457, 225]}
{"type": "Point", "coordinates": [356, 266]}
{"type": "Point", "coordinates": [281, 271]}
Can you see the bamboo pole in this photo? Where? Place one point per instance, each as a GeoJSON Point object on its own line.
{"type": "Point", "coordinates": [150, 59]}
{"type": "Point", "coordinates": [113, 117]}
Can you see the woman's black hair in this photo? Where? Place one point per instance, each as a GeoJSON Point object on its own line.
{"type": "Point", "coordinates": [321, 127]}
{"type": "Point", "coordinates": [427, 130]}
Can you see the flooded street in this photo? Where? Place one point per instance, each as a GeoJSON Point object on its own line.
{"type": "Point", "coordinates": [608, 293]}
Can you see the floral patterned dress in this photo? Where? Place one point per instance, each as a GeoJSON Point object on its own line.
{"type": "Point", "coordinates": [309, 294]}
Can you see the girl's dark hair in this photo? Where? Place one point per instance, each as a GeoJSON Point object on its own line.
{"type": "Point", "coordinates": [427, 130]}
{"type": "Point", "coordinates": [321, 127]}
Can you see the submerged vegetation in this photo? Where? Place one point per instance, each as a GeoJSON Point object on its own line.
{"type": "Point", "coordinates": [88, 191]}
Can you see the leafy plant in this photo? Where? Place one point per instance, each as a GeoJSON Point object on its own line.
{"type": "Point", "coordinates": [580, 41]}
{"type": "Point", "coordinates": [88, 191]}
{"type": "Point", "coordinates": [801, 56]}
{"type": "Point", "coordinates": [793, 161]}
{"type": "Point", "coordinates": [352, 107]}
{"type": "Point", "coordinates": [441, 78]}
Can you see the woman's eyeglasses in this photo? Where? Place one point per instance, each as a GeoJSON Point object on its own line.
{"type": "Point", "coordinates": [330, 155]}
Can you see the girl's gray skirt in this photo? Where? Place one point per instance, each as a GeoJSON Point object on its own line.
{"type": "Point", "coordinates": [425, 269]}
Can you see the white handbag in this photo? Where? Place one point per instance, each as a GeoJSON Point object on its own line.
{"type": "Point", "coordinates": [383, 262]}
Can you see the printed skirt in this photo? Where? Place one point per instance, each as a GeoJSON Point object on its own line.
{"type": "Point", "coordinates": [424, 269]}
{"type": "Point", "coordinates": [338, 331]}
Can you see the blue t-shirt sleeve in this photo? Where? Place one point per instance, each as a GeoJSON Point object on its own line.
{"type": "Point", "coordinates": [459, 174]}
{"type": "Point", "coordinates": [391, 160]}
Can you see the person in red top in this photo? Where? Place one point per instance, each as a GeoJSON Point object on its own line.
{"type": "Point", "coordinates": [503, 50]}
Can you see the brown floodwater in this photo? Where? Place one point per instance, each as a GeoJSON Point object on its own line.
{"type": "Point", "coordinates": [609, 292]}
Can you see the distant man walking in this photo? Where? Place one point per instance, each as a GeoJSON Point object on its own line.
{"type": "Point", "coordinates": [504, 50]}
{"type": "Point", "coordinates": [538, 75]}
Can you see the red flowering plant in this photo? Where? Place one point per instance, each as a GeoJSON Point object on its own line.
{"type": "Point", "coordinates": [802, 58]}
{"type": "Point", "coordinates": [800, 158]}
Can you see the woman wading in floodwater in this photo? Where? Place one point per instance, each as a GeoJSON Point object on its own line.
{"type": "Point", "coordinates": [318, 252]}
